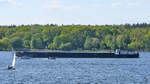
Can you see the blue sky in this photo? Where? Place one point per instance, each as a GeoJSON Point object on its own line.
{"type": "Point", "coordinates": [74, 11]}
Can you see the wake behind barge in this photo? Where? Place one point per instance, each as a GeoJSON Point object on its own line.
{"type": "Point", "coordinates": [75, 54]}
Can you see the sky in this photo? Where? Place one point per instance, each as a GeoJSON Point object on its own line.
{"type": "Point", "coordinates": [85, 12]}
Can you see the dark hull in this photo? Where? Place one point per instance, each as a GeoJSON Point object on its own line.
{"type": "Point", "coordinates": [65, 54]}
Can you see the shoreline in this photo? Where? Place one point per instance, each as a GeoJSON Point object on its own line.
{"type": "Point", "coordinates": [103, 50]}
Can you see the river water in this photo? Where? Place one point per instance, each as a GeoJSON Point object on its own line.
{"type": "Point", "coordinates": [76, 70]}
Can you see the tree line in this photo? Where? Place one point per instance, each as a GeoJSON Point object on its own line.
{"type": "Point", "coordinates": [76, 37]}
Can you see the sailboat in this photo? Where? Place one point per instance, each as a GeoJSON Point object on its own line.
{"type": "Point", "coordinates": [13, 62]}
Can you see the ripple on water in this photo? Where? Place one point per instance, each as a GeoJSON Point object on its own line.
{"type": "Point", "coordinates": [76, 71]}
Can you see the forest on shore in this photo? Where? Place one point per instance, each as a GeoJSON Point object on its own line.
{"type": "Point", "coordinates": [76, 37]}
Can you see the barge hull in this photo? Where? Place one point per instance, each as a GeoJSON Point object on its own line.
{"type": "Point", "coordinates": [35, 54]}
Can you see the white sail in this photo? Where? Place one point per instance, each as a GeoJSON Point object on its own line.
{"type": "Point", "coordinates": [14, 60]}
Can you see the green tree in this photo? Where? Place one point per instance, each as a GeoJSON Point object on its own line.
{"type": "Point", "coordinates": [74, 37]}
{"type": "Point", "coordinates": [110, 42]}
{"type": "Point", "coordinates": [60, 41]}
{"type": "Point", "coordinates": [91, 43]}
{"type": "Point", "coordinates": [16, 43]}
{"type": "Point", "coordinates": [147, 43]}
{"type": "Point", "coordinates": [122, 41]}
{"type": "Point", "coordinates": [27, 39]}
{"type": "Point", "coordinates": [49, 34]}
{"type": "Point", "coordinates": [66, 46]}
{"type": "Point", "coordinates": [37, 42]}
{"type": "Point", "coordinates": [133, 45]}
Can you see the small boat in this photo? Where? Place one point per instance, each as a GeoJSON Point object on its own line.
{"type": "Point", "coordinates": [12, 67]}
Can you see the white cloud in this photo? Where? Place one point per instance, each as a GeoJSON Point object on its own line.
{"type": "Point", "coordinates": [134, 4]}
{"type": "Point", "coordinates": [116, 4]}
{"type": "Point", "coordinates": [12, 2]}
{"type": "Point", "coordinates": [71, 7]}
{"type": "Point", "coordinates": [57, 4]}
{"type": "Point", "coordinates": [52, 4]}
{"type": "Point", "coordinates": [135, 19]}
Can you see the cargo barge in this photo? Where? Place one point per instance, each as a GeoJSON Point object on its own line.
{"type": "Point", "coordinates": [69, 54]}
{"type": "Point", "coordinates": [75, 54]}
